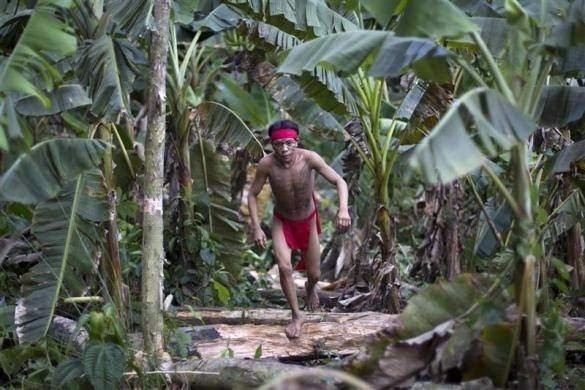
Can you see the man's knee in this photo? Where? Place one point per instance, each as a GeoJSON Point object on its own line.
{"type": "Point", "coordinates": [284, 266]}
{"type": "Point", "coordinates": [313, 275]}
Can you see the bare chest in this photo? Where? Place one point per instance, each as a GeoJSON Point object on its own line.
{"type": "Point", "coordinates": [292, 187]}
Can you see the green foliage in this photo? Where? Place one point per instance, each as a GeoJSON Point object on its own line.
{"type": "Point", "coordinates": [67, 372]}
{"type": "Point", "coordinates": [103, 363]}
{"type": "Point", "coordinates": [103, 359]}
{"type": "Point", "coordinates": [499, 127]}
{"type": "Point", "coordinates": [552, 350]}
{"type": "Point", "coordinates": [63, 98]}
{"type": "Point", "coordinates": [44, 39]}
{"type": "Point", "coordinates": [40, 174]}
{"type": "Point", "coordinates": [258, 352]}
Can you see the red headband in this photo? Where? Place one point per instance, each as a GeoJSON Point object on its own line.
{"type": "Point", "coordinates": [283, 133]}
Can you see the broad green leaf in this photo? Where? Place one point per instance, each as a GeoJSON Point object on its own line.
{"type": "Point", "coordinates": [132, 16]}
{"type": "Point", "coordinates": [104, 365]}
{"type": "Point", "coordinates": [479, 124]}
{"type": "Point", "coordinates": [44, 35]}
{"type": "Point", "coordinates": [561, 105]}
{"type": "Point", "coordinates": [278, 39]}
{"type": "Point", "coordinates": [64, 227]}
{"type": "Point", "coordinates": [304, 15]}
{"type": "Point", "coordinates": [3, 140]}
{"type": "Point", "coordinates": [428, 59]}
{"type": "Point", "coordinates": [222, 18]}
{"type": "Point", "coordinates": [565, 160]}
{"type": "Point", "coordinates": [66, 372]}
{"type": "Point", "coordinates": [10, 123]}
{"type": "Point", "coordinates": [383, 10]}
{"type": "Point", "coordinates": [291, 98]}
{"type": "Point", "coordinates": [40, 174]}
{"type": "Point", "coordinates": [62, 99]}
{"type": "Point", "coordinates": [223, 294]}
{"type": "Point", "coordinates": [241, 101]}
{"type": "Point", "coordinates": [330, 91]}
{"type": "Point", "coordinates": [434, 18]}
{"type": "Point", "coordinates": [496, 344]}
{"type": "Point", "coordinates": [441, 302]}
{"type": "Point", "coordinates": [570, 61]}
{"type": "Point", "coordinates": [212, 192]}
{"type": "Point", "coordinates": [228, 128]}
{"type": "Point", "coordinates": [108, 67]}
{"type": "Point", "coordinates": [345, 52]}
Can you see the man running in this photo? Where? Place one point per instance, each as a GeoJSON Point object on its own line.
{"type": "Point", "coordinates": [290, 171]}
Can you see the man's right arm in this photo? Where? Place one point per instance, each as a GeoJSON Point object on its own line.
{"type": "Point", "coordinates": [258, 235]}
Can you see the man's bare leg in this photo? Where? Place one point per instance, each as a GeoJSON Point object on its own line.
{"type": "Point", "coordinates": [283, 253]}
{"type": "Point", "coordinates": [313, 260]}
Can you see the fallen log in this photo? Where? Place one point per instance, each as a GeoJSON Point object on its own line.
{"type": "Point", "coordinates": [210, 316]}
{"type": "Point", "coordinates": [228, 373]}
{"type": "Point", "coordinates": [342, 335]}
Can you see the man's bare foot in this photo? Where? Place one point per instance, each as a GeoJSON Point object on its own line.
{"type": "Point", "coordinates": [312, 297]}
{"type": "Point", "coordinates": [293, 330]}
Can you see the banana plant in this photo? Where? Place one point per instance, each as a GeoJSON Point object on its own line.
{"type": "Point", "coordinates": [61, 179]}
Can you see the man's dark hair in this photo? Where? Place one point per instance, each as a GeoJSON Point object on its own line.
{"type": "Point", "coordinates": [283, 124]}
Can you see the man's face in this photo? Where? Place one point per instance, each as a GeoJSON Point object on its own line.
{"type": "Point", "coordinates": [284, 149]}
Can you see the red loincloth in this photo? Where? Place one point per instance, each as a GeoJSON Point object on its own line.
{"type": "Point", "coordinates": [297, 233]}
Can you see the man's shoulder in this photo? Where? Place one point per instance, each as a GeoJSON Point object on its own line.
{"type": "Point", "coordinates": [266, 162]}
{"type": "Point", "coordinates": [310, 156]}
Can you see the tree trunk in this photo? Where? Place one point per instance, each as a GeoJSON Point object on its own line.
{"type": "Point", "coordinates": [439, 252]}
{"type": "Point", "coordinates": [152, 244]}
{"type": "Point", "coordinates": [111, 265]}
{"type": "Point", "coordinates": [525, 244]}
{"type": "Point", "coordinates": [575, 257]}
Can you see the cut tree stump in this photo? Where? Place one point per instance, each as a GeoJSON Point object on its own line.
{"type": "Point", "coordinates": [243, 331]}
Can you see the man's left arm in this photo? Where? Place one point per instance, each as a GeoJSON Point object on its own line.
{"type": "Point", "coordinates": [343, 218]}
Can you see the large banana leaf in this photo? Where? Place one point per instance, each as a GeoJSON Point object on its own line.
{"type": "Point", "coordinates": [63, 226]}
{"type": "Point", "coordinates": [132, 16]}
{"type": "Point", "coordinates": [253, 108]}
{"type": "Point", "coordinates": [565, 216]}
{"type": "Point", "coordinates": [345, 52]}
{"type": "Point", "coordinates": [565, 160]}
{"type": "Point", "coordinates": [222, 18]}
{"type": "Point", "coordinates": [40, 174]}
{"type": "Point", "coordinates": [480, 123]}
{"type": "Point", "coordinates": [226, 127]}
{"type": "Point", "coordinates": [211, 190]}
{"type": "Point", "coordinates": [62, 99]}
{"type": "Point", "coordinates": [383, 10]}
{"type": "Point", "coordinates": [289, 95]}
{"type": "Point", "coordinates": [108, 67]}
{"type": "Point", "coordinates": [13, 20]}
{"type": "Point", "coordinates": [323, 85]}
{"type": "Point", "coordinates": [434, 18]}
{"type": "Point", "coordinates": [44, 35]}
{"type": "Point", "coordinates": [10, 125]}
{"type": "Point", "coordinates": [305, 15]}
{"type": "Point", "coordinates": [560, 105]}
